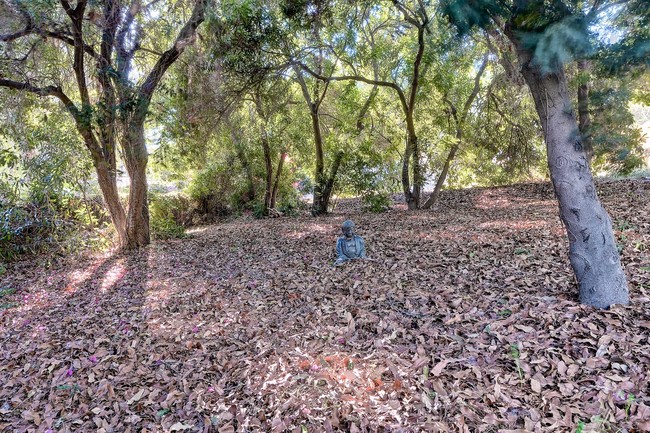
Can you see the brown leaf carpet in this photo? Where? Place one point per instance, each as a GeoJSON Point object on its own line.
{"type": "Point", "coordinates": [467, 321]}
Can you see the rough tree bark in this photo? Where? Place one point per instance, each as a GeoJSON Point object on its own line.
{"type": "Point", "coordinates": [135, 159]}
{"type": "Point", "coordinates": [592, 248]}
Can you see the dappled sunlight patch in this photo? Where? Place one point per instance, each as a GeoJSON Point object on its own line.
{"type": "Point", "coordinates": [320, 388]}
{"type": "Point", "coordinates": [112, 275]}
{"type": "Point", "coordinates": [79, 276]}
{"type": "Point", "coordinates": [196, 230]}
{"type": "Point", "coordinates": [158, 294]}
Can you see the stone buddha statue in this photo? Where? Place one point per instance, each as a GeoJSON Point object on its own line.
{"type": "Point", "coordinates": [349, 246]}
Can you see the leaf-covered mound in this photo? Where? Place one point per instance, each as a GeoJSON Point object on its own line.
{"type": "Point", "coordinates": [466, 320]}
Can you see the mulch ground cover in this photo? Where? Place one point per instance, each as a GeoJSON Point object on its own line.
{"type": "Point", "coordinates": [466, 320]}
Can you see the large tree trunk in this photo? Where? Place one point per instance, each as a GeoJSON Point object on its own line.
{"type": "Point", "coordinates": [108, 186]}
{"type": "Point", "coordinates": [592, 248]}
{"type": "Point", "coordinates": [135, 158]}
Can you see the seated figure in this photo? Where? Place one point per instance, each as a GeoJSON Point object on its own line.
{"type": "Point", "coordinates": [349, 246]}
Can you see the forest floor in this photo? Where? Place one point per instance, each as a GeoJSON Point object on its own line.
{"type": "Point", "coordinates": [467, 320]}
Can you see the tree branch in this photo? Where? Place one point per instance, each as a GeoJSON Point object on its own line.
{"type": "Point", "coordinates": [303, 86]}
{"type": "Point", "coordinates": [8, 37]}
{"type": "Point", "coordinates": [124, 56]}
{"type": "Point", "coordinates": [475, 90]}
{"type": "Point", "coordinates": [381, 83]}
{"type": "Point", "coordinates": [76, 16]}
{"type": "Point", "coordinates": [184, 38]}
{"type": "Point", "coordinates": [452, 107]}
{"type": "Point", "coordinates": [409, 15]}
{"type": "Point", "coordinates": [40, 91]}
{"type": "Point", "coordinates": [416, 69]}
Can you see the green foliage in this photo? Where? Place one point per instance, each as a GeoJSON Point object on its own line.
{"type": "Point", "coordinates": [559, 43]}
{"type": "Point", "coordinates": [31, 229]}
{"type": "Point", "coordinates": [211, 189]}
{"type": "Point", "coordinates": [376, 202]}
{"type": "Point", "coordinates": [616, 139]}
{"type": "Point", "coordinates": [289, 199]}
{"type": "Point", "coordinates": [366, 174]}
{"type": "Point", "coordinates": [241, 37]}
{"type": "Point", "coordinates": [44, 184]}
{"type": "Point", "coordinates": [167, 213]}
{"type": "Point", "coordinates": [258, 209]}
{"type": "Point", "coordinates": [516, 356]}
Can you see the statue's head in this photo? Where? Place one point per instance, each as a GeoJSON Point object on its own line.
{"type": "Point", "coordinates": [348, 229]}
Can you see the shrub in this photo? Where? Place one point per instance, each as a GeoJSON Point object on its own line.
{"type": "Point", "coordinates": [209, 190]}
{"type": "Point", "coordinates": [258, 209]}
{"type": "Point", "coordinates": [376, 201]}
{"type": "Point", "coordinates": [30, 229]}
{"type": "Point", "coordinates": [168, 214]}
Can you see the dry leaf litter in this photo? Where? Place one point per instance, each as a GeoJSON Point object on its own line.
{"type": "Point", "coordinates": [466, 321]}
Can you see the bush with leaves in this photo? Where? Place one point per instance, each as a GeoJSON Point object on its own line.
{"type": "Point", "coordinates": [45, 203]}
{"type": "Point", "coordinates": [32, 228]}
{"type": "Point", "coordinates": [376, 202]}
{"type": "Point", "coordinates": [211, 190]}
{"type": "Point", "coordinates": [366, 175]}
{"type": "Point", "coordinates": [169, 213]}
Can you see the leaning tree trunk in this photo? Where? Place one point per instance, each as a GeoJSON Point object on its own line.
{"type": "Point", "coordinates": [135, 158]}
{"type": "Point", "coordinates": [108, 186]}
{"type": "Point", "coordinates": [276, 183]}
{"type": "Point", "coordinates": [433, 198]}
{"type": "Point", "coordinates": [592, 248]}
